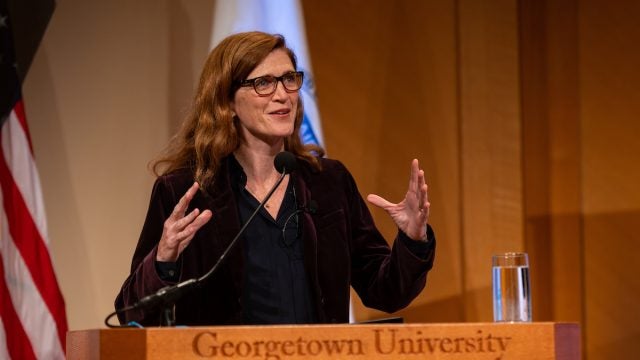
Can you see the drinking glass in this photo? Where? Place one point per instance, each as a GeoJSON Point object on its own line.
{"type": "Point", "coordinates": [511, 288]}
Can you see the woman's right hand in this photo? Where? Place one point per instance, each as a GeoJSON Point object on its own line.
{"type": "Point", "coordinates": [180, 228]}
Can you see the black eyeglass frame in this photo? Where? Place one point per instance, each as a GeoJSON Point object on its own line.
{"type": "Point", "coordinates": [252, 82]}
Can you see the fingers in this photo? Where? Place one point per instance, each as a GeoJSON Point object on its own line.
{"type": "Point", "coordinates": [189, 231]}
{"type": "Point", "coordinates": [417, 178]}
{"type": "Point", "coordinates": [424, 207]}
{"type": "Point", "coordinates": [414, 177]}
{"type": "Point", "coordinates": [379, 201]}
{"type": "Point", "coordinates": [187, 234]}
{"type": "Point", "coordinates": [183, 204]}
{"type": "Point", "coordinates": [179, 228]}
{"type": "Point", "coordinates": [420, 189]}
{"type": "Point", "coordinates": [425, 199]}
{"type": "Point", "coordinates": [188, 219]}
{"type": "Point", "coordinates": [422, 194]}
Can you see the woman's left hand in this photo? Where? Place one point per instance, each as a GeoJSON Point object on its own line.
{"type": "Point", "coordinates": [412, 213]}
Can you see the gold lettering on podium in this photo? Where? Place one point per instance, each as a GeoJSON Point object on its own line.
{"type": "Point", "coordinates": [388, 342]}
{"type": "Point", "coordinates": [379, 341]}
{"type": "Point", "coordinates": [206, 344]}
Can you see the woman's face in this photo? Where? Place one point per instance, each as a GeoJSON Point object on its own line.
{"type": "Point", "coordinates": [267, 118]}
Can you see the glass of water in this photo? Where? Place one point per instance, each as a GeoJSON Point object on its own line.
{"type": "Point", "coordinates": [511, 289]}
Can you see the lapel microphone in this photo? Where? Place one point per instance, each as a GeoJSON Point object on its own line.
{"type": "Point", "coordinates": [311, 207]}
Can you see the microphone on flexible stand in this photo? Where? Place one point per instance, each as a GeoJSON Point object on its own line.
{"type": "Point", "coordinates": [285, 163]}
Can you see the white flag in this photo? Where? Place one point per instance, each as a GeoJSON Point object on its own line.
{"type": "Point", "coordinates": [282, 17]}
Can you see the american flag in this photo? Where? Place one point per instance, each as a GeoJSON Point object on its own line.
{"type": "Point", "coordinates": [32, 312]}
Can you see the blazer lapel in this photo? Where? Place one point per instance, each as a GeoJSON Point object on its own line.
{"type": "Point", "coordinates": [226, 225]}
{"type": "Point", "coordinates": [309, 238]}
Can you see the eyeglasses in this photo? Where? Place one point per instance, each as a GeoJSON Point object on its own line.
{"type": "Point", "coordinates": [266, 85]}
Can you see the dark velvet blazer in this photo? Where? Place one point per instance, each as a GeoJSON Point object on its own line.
{"type": "Point", "coordinates": [342, 248]}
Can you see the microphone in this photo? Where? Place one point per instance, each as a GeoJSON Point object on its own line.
{"type": "Point", "coordinates": [285, 162]}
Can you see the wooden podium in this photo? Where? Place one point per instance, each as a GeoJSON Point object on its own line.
{"type": "Point", "coordinates": [540, 340]}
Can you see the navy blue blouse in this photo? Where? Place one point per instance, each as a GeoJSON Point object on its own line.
{"type": "Point", "coordinates": [276, 287]}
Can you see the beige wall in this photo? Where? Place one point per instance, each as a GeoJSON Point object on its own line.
{"type": "Point", "coordinates": [106, 89]}
{"type": "Point", "coordinates": [522, 112]}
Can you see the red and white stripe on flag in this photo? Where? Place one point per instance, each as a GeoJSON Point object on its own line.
{"type": "Point", "coordinates": [32, 311]}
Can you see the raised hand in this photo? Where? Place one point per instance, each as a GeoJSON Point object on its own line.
{"type": "Point", "coordinates": [412, 213]}
{"type": "Point", "coordinates": [179, 228]}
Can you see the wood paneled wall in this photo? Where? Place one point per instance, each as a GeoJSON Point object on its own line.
{"type": "Point", "coordinates": [491, 186]}
{"type": "Point", "coordinates": [439, 81]}
{"type": "Point", "coordinates": [381, 107]}
{"type": "Point", "coordinates": [551, 149]}
{"type": "Point", "coordinates": [529, 145]}
{"type": "Point", "coordinates": [609, 109]}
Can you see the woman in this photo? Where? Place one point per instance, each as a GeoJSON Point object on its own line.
{"type": "Point", "coordinates": [315, 236]}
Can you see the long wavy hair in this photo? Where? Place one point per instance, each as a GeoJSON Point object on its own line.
{"type": "Point", "coordinates": [209, 133]}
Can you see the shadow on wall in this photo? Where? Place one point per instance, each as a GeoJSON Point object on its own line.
{"type": "Point", "coordinates": [612, 287]}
